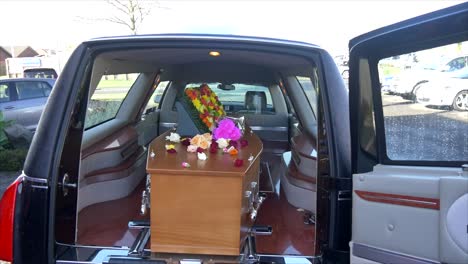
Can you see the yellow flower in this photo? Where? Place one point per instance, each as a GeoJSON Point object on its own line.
{"type": "Point", "coordinates": [169, 146]}
{"type": "Point", "coordinates": [197, 104]}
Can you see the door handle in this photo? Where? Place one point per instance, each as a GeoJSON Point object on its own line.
{"type": "Point", "coordinates": [9, 107]}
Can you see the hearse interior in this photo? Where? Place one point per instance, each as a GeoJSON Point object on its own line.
{"type": "Point", "coordinates": [277, 96]}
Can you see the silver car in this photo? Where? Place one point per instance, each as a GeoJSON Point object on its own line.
{"type": "Point", "coordinates": [23, 100]}
{"type": "Point", "coordinates": [445, 91]}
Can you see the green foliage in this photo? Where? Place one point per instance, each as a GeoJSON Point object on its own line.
{"type": "Point", "coordinates": [195, 116]}
{"type": "Point", "coordinates": [3, 124]}
{"type": "Point", "coordinates": [12, 159]}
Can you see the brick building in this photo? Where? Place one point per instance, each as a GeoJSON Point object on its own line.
{"type": "Point", "coordinates": [14, 51]}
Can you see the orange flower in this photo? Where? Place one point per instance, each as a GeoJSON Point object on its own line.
{"type": "Point", "coordinates": [233, 152]}
{"type": "Point", "coordinates": [202, 141]}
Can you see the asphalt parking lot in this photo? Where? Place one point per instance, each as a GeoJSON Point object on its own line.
{"type": "Point", "coordinates": [417, 132]}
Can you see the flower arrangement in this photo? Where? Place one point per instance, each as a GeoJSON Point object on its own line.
{"type": "Point", "coordinates": [228, 130]}
{"type": "Point", "coordinates": [226, 137]}
{"type": "Point", "coordinates": [206, 109]}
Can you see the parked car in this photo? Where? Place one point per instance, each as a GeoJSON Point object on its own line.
{"type": "Point", "coordinates": [40, 73]}
{"type": "Point", "coordinates": [405, 83]}
{"type": "Point", "coordinates": [445, 91]}
{"type": "Point", "coordinates": [22, 100]}
{"type": "Point", "coordinates": [340, 187]}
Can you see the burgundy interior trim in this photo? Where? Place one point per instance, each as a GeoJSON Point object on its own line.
{"type": "Point", "coordinates": [108, 174]}
{"type": "Point", "coordinates": [293, 172]}
{"type": "Point", "coordinates": [115, 141]}
{"type": "Point", "coordinates": [406, 200]}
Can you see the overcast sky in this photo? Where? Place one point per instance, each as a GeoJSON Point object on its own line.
{"type": "Point", "coordinates": [57, 24]}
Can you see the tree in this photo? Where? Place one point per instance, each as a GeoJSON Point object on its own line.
{"type": "Point", "coordinates": [131, 13]}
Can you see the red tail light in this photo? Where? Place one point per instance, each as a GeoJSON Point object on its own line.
{"type": "Point", "coordinates": [7, 214]}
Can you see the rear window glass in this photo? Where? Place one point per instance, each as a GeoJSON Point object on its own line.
{"type": "Point", "coordinates": [108, 97]}
{"type": "Point", "coordinates": [425, 109]}
{"type": "Point", "coordinates": [241, 97]}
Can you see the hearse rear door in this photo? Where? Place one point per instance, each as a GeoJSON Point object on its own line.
{"type": "Point", "coordinates": [410, 180]}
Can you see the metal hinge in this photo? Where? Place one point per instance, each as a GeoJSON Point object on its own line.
{"type": "Point", "coordinates": [66, 184]}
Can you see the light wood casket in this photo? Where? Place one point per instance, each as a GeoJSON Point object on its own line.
{"type": "Point", "coordinates": [204, 209]}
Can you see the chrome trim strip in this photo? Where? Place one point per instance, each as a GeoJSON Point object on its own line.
{"type": "Point", "coordinates": [74, 262]}
{"type": "Point", "coordinates": [32, 179]}
{"type": "Point", "coordinates": [39, 183]}
{"type": "Point", "coordinates": [165, 124]}
{"type": "Point", "coordinates": [266, 128]}
{"type": "Point", "coordinates": [384, 257]}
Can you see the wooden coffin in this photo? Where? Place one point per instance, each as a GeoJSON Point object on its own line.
{"type": "Point", "coordinates": [204, 209]}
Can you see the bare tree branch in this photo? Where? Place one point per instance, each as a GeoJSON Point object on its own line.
{"type": "Point", "coordinates": [132, 13]}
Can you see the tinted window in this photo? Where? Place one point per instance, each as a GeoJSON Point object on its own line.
{"type": "Point", "coordinates": [430, 122]}
{"type": "Point", "coordinates": [4, 93]}
{"type": "Point", "coordinates": [310, 92]}
{"type": "Point", "coordinates": [30, 90]}
{"type": "Point", "coordinates": [237, 98]}
{"type": "Point", "coordinates": [107, 98]}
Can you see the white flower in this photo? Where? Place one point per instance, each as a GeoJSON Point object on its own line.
{"type": "Point", "coordinates": [174, 137]}
{"type": "Point", "coordinates": [201, 156]}
{"type": "Point", "coordinates": [222, 143]}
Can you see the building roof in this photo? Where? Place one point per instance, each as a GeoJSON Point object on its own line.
{"type": "Point", "coordinates": [17, 50]}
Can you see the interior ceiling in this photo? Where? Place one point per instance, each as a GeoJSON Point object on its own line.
{"type": "Point", "coordinates": [177, 57]}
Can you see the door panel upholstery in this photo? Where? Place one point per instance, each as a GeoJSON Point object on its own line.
{"type": "Point", "coordinates": [396, 209]}
{"type": "Point", "coordinates": [454, 220]}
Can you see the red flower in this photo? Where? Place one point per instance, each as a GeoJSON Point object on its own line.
{"type": "Point", "coordinates": [233, 143]}
{"type": "Point", "coordinates": [172, 151]}
{"type": "Point", "coordinates": [200, 150]}
{"type": "Point", "coordinates": [185, 142]}
{"type": "Point", "coordinates": [244, 143]}
{"type": "Point", "coordinates": [214, 144]}
{"type": "Point", "coordinates": [213, 150]}
{"type": "Point", "coordinates": [238, 162]}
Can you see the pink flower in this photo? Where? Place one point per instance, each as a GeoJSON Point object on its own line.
{"type": "Point", "coordinates": [192, 148]}
{"type": "Point", "coordinates": [227, 129]}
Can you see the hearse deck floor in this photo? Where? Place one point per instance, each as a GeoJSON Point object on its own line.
{"type": "Point", "coordinates": [106, 224]}
{"type": "Point", "coordinates": [290, 235]}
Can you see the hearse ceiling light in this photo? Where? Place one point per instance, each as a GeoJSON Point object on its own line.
{"type": "Point", "coordinates": [214, 53]}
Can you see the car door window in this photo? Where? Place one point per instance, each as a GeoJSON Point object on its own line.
{"type": "Point", "coordinates": [457, 64]}
{"type": "Point", "coordinates": [108, 97]}
{"type": "Point", "coordinates": [431, 123]}
{"type": "Point", "coordinates": [4, 93]}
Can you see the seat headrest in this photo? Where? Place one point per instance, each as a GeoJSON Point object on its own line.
{"type": "Point", "coordinates": [255, 101]}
